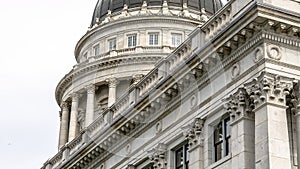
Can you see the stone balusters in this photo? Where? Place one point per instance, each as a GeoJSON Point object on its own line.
{"type": "Point", "coordinates": [90, 104]}
{"type": "Point", "coordinates": [194, 135]}
{"type": "Point", "coordinates": [268, 93]}
{"type": "Point", "coordinates": [74, 117]}
{"type": "Point", "coordinates": [112, 95]}
{"type": "Point", "coordinates": [157, 156]}
{"type": "Point", "coordinates": [64, 124]}
{"type": "Point", "coordinates": [240, 108]}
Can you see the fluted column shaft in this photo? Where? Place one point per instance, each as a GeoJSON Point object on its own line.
{"type": "Point", "coordinates": [64, 128]}
{"type": "Point", "coordinates": [112, 92]}
{"type": "Point", "coordinates": [89, 116]}
{"type": "Point", "coordinates": [74, 116]}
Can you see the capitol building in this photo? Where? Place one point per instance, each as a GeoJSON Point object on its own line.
{"type": "Point", "coordinates": [183, 84]}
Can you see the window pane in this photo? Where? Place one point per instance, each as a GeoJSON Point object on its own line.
{"type": "Point", "coordinates": [179, 158]}
{"type": "Point", "coordinates": [131, 40]}
{"type": "Point", "coordinates": [96, 50]}
{"type": "Point", "coordinates": [218, 133]}
{"type": "Point", "coordinates": [218, 151]}
{"type": "Point", "coordinates": [227, 128]}
{"type": "Point", "coordinates": [112, 44]}
{"type": "Point", "coordinates": [153, 39]}
{"type": "Point", "coordinates": [176, 39]}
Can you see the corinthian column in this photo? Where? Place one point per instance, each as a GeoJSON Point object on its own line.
{"type": "Point", "coordinates": [74, 116]}
{"type": "Point", "coordinates": [112, 95]}
{"type": "Point", "coordinates": [89, 116]}
{"type": "Point", "coordinates": [64, 130]}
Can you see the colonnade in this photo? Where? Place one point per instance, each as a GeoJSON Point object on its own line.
{"type": "Point", "coordinates": [69, 117]}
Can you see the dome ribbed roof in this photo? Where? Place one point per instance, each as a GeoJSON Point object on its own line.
{"type": "Point", "coordinates": [102, 7]}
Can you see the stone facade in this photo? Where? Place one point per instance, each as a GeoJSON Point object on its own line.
{"type": "Point", "coordinates": [226, 97]}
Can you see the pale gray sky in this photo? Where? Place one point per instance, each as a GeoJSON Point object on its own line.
{"type": "Point", "coordinates": [37, 40]}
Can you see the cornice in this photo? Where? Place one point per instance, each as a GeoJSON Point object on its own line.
{"type": "Point", "coordinates": [85, 69]}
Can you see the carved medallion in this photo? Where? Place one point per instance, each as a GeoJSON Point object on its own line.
{"type": "Point", "coordinates": [274, 52]}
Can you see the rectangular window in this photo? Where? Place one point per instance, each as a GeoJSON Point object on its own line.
{"type": "Point", "coordinates": [112, 44]}
{"type": "Point", "coordinates": [131, 40]}
{"type": "Point", "coordinates": [96, 50]}
{"type": "Point", "coordinates": [182, 157]}
{"type": "Point", "coordinates": [176, 39]}
{"type": "Point", "coordinates": [222, 139]}
{"type": "Point", "coordinates": [153, 38]}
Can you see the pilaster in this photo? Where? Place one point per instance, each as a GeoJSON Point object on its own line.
{"type": "Point", "coordinates": [240, 106]}
{"type": "Point", "coordinates": [268, 93]}
{"type": "Point", "coordinates": [194, 135]}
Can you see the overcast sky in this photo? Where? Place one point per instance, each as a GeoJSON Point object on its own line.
{"type": "Point", "coordinates": [37, 40]}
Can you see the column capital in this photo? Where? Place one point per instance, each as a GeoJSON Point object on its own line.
{"type": "Point", "coordinates": [269, 87]}
{"type": "Point", "coordinates": [112, 82]}
{"type": "Point", "coordinates": [193, 133]}
{"type": "Point", "coordinates": [239, 105]}
{"type": "Point", "coordinates": [91, 88]}
{"type": "Point", "coordinates": [64, 106]}
{"type": "Point", "coordinates": [157, 156]}
{"type": "Point", "coordinates": [75, 96]}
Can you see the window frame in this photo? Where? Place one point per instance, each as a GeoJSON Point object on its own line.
{"type": "Point", "coordinates": [112, 44]}
{"type": "Point", "coordinates": [96, 50]}
{"type": "Point", "coordinates": [153, 38]}
{"type": "Point", "coordinates": [184, 147]}
{"type": "Point", "coordinates": [174, 39]}
{"type": "Point", "coordinates": [224, 141]}
{"type": "Point", "coordinates": [131, 40]}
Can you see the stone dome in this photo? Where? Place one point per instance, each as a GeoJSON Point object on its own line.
{"type": "Point", "coordinates": [103, 6]}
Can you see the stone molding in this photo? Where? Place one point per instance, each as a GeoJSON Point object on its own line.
{"type": "Point", "coordinates": [193, 133]}
{"type": "Point", "coordinates": [157, 156]}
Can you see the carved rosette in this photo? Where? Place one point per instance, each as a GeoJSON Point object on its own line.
{"type": "Point", "coordinates": [193, 133]}
{"type": "Point", "coordinates": [157, 156]}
